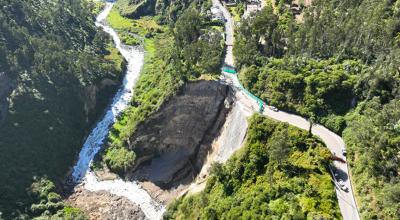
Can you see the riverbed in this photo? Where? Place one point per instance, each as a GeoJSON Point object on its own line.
{"type": "Point", "coordinates": [82, 175]}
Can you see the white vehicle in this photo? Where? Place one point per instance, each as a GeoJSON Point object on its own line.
{"type": "Point", "coordinates": [273, 108]}
{"type": "Point", "coordinates": [342, 185]}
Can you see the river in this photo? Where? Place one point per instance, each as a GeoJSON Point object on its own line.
{"type": "Point", "coordinates": [82, 174]}
{"type": "Point", "coordinates": [132, 190]}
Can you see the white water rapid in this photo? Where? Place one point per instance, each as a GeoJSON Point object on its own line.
{"type": "Point", "coordinates": [81, 171]}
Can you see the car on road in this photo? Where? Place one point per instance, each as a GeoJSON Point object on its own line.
{"type": "Point", "coordinates": [336, 174]}
{"type": "Point", "coordinates": [344, 152]}
{"type": "Point", "coordinates": [342, 186]}
{"type": "Point", "coordinates": [273, 108]}
{"type": "Point", "coordinates": [339, 159]}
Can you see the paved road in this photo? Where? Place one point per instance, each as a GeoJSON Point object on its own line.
{"type": "Point", "coordinates": [229, 29]}
{"type": "Point", "coordinates": [334, 142]}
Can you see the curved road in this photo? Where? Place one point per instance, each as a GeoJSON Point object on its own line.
{"type": "Point", "coordinates": [334, 142]}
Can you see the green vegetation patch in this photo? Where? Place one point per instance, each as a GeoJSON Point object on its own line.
{"type": "Point", "coordinates": [119, 159]}
{"type": "Point", "coordinates": [133, 31]}
{"type": "Point", "coordinates": [47, 204]}
{"type": "Point", "coordinates": [56, 61]}
{"type": "Point", "coordinates": [373, 141]}
{"type": "Point", "coordinates": [157, 81]}
{"type": "Point", "coordinates": [174, 54]}
{"type": "Point", "coordinates": [322, 90]}
{"type": "Point", "coordinates": [281, 173]}
{"type": "Point", "coordinates": [115, 57]}
{"type": "Point", "coordinates": [339, 67]}
{"type": "Point", "coordinates": [237, 11]}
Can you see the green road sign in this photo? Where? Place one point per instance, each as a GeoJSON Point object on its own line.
{"type": "Point", "coordinates": [229, 70]}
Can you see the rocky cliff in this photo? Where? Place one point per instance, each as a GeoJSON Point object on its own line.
{"type": "Point", "coordinates": [172, 144]}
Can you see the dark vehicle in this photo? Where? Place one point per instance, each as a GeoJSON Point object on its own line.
{"type": "Point", "coordinates": [342, 186]}
{"type": "Point", "coordinates": [336, 158]}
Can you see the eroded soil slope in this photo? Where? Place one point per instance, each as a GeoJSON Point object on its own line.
{"type": "Point", "coordinates": [171, 146]}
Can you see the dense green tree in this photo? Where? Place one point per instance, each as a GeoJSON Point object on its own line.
{"type": "Point", "coordinates": [251, 185]}
{"type": "Point", "coordinates": [373, 140]}
{"type": "Point", "coordinates": [339, 67]}
{"type": "Point", "coordinates": [190, 46]}
{"type": "Point", "coordinates": [279, 148]}
{"type": "Point", "coordinates": [54, 60]}
{"type": "Point", "coordinates": [323, 90]}
{"type": "Point", "coordinates": [47, 204]}
{"type": "Point", "coordinates": [119, 160]}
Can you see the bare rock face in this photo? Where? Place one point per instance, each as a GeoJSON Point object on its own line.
{"type": "Point", "coordinates": [92, 94]}
{"type": "Point", "coordinates": [172, 144]}
{"type": "Point", "coordinates": [102, 205]}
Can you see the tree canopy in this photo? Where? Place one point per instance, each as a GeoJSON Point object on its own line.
{"type": "Point", "coordinates": [54, 60]}
{"type": "Point", "coordinates": [336, 62]}
{"type": "Point", "coordinates": [269, 178]}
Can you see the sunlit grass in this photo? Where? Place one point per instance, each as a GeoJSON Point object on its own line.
{"type": "Point", "coordinates": [114, 57]}
{"type": "Point", "coordinates": [235, 15]}
{"type": "Point", "coordinates": [143, 26]}
{"type": "Point", "coordinates": [148, 23]}
{"type": "Point", "coordinates": [118, 22]}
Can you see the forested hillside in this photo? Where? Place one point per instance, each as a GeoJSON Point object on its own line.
{"type": "Point", "coordinates": [57, 73]}
{"type": "Point", "coordinates": [186, 48]}
{"type": "Point", "coordinates": [165, 11]}
{"type": "Point", "coordinates": [339, 66]}
{"type": "Point", "coordinates": [280, 173]}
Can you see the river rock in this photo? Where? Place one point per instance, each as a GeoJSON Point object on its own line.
{"type": "Point", "coordinates": [105, 206]}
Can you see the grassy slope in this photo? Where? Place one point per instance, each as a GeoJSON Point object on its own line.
{"type": "Point", "coordinates": [132, 31]}
{"type": "Point", "coordinates": [153, 87]}
{"type": "Point", "coordinates": [157, 81]}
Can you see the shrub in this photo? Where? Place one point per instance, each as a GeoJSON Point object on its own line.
{"type": "Point", "coordinates": [119, 159]}
{"type": "Point", "coordinates": [252, 185]}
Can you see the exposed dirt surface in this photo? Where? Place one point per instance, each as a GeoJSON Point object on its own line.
{"type": "Point", "coordinates": [103, 205]}
{"type": "Point", "coordinates": [173, 144]}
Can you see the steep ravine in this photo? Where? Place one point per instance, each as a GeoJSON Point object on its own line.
{"type": "Point", "coordinates": [199, 125]}
{"type": "Point", "coordinates": [230, 139]}
{"type": "Point", "coordinates": [82, 174]}
{"type": "Point", "coordinates": [171, 146]}
{"type": "Point", "coordinates": [176, 139]}
{"type": "Point", "coordinates": [174, 143]}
